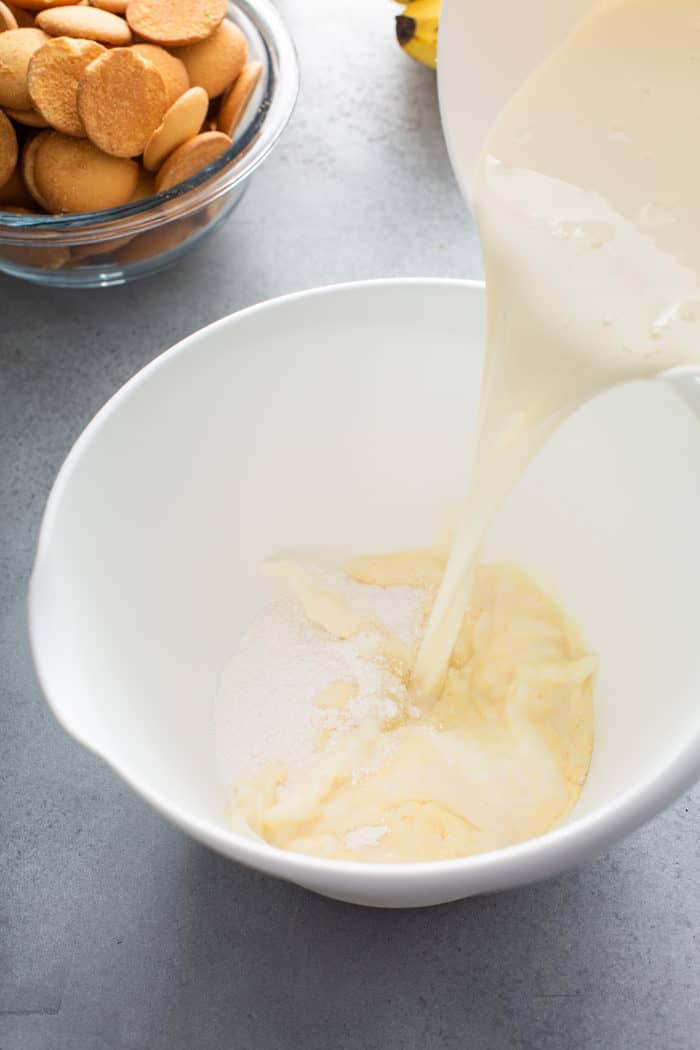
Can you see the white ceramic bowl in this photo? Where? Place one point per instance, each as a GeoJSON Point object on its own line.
{"type": "Point", "coordinates": [340, 419]}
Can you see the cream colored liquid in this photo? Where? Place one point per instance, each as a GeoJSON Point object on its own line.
{"type": "Point", "coordinates": [588, 202]}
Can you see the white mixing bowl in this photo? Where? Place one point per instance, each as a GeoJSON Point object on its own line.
{"type": "Point", "coordinates": [340, 420]}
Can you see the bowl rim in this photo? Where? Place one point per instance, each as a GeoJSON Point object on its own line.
{"type": "Point", "coordinates": [218, 179]}
{"type": "Point", "coordinates": [539, 857]}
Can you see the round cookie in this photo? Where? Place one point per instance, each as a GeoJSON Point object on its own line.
{"type": "Point", "coordinates": [8, 149]}
{"type": "Point", "coordinates": [16, 49]}
{"type": "Point", "coordinates": [191, 157]}
{"type": "Point", "coordinates": [145, 187]}
{"type": "Point", "coordinates": [24, 19]}
{"type": "Point", "coordinates": [235, 100]}
{"type": "Point", "coordinates": [215, 63]}
{"type": "Point", "coordinates": [15, 209]}
{"type": "Point", "coordinates": [29, 117]}
{"type": "Point", "coordinates": [47, 257]}
{"type": "Point", "coordinates": [121, 101]}
{"type": "Point", "coordinates": [80, 252]}
{"type": "Point", "coordinates": [181, 123]}
{"type": "Point", "coordinates": [117, 7]}
{"type": "Point", "coordinates": [156, 242]}
{"type": "Point", "coordinates": [42, 5]}
{"type": "Point", "coordinates": [73, 175]}
{"type": "Point", "coordinates": [175, 23]}
{"type": "Point", "coordinates": [89, 23]}
{"type": "Point", "coordinates": [170, 68]}
{"type": "Point", "coordinates": [52, 80]}
{"type": "Point", "coordinates": [15, 193]}
{"type": "Point", "coordinates": [29, 152]}
{"type": "Point", "coordinates": [7, 19]}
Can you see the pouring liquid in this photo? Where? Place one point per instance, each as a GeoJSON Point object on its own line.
{"type": "Point", "coordinates": [587, 198]}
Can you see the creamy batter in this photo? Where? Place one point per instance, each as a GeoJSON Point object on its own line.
{"type": "Point", "coordinates": [501, 756]}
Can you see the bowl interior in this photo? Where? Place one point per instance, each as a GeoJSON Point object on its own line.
{"type": "Point", "coordinates": [340, 422]}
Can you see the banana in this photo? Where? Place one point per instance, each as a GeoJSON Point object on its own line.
{"type": "Point", "coordinates": [417, 30]}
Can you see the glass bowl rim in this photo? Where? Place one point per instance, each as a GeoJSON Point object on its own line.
{"type": "Point", "coordinates": [207, 186]}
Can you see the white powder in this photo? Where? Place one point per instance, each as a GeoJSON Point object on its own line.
{"type": "Point", "coordinates": [369, 835]}
{"type": "Point", "coordinates": [400, 609]}
{"type": "Point", "coordinates": [265, 707]}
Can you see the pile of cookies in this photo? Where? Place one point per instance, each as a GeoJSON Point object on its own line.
{"type": "Point", "coordinates": [108, 102]}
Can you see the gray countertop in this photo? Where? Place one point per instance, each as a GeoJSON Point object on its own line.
{"type": "Point", "coordinates": [118, 932]}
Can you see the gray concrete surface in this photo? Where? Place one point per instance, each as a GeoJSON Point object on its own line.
{"type": "Point", "coordinates": [117, 932]}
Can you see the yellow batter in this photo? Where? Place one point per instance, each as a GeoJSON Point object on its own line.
{"type": "Point", "coordinates": [500, 757]}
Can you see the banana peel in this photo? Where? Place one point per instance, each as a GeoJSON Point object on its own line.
{"type": "Point", "coordinates": [417, 30]}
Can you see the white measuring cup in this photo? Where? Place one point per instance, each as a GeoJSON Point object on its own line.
{"type": "Point", "coordinates": [486, 51]}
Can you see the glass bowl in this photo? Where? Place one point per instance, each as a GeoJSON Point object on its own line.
{"type": "Point", "coordinates": [101, 248]}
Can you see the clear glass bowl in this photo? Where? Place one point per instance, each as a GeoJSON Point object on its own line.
{"type": "Point", "coordinates": [100, 248]}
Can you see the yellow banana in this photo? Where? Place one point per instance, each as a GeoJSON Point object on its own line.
{"type": "Point", "coordinates": [417, 30]}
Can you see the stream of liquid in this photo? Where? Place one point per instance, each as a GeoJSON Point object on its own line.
{"type": "Point", "coordinates": [587, 198]}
